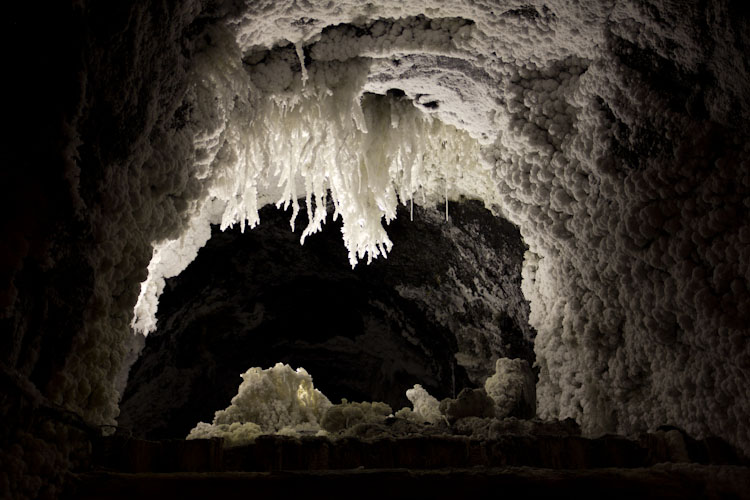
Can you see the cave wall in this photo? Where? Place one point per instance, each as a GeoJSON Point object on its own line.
{"type": "Point", "coordinates": [617, 138]}
{"type": "Point", "coordinates": [620, 153]}
{"type": "Point", "coordinates": [93, 112]}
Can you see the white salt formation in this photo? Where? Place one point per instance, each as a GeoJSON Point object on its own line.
{"type": "Point", "coordinates": [638, 268]}
{"type": "Point", "coordinates": [512, 388]}
{"type": "Point", "coordinates": [614, 134]}
{"type": "Point", "coordinates": [324, 137]}
{"type": "Point", "coordinates": [426, 407]}
{"type": "Point", "coordinates": [276, 400]}
{"type": "Point", "coordinates": [347, 415]}
{"type": "Point", "coordinates": [281, 400]}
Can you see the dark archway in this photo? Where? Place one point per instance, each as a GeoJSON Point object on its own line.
{"type": "Point", "coordinates": [365, 334]}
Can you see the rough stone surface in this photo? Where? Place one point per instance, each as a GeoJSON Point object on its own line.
{"type": "Point", "coordinates": [512, 388]}
{"type": "Point", "coordinates": [468, 403]}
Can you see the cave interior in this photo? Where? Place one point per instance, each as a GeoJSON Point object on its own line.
{"type": "Point", "coordinates": [404, 248]}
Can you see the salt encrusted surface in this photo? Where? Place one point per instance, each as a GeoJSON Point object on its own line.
{"type": "Point", "coordinates": [426, 407]}
{"type": "Point", "coordinates": [279, 399]}
{"type": "Point", "coordinates": [512, 389]}
{"type": "Point", "coordinates": [609, 151]}
{"type": "Point", "coordinates": [618, 144]}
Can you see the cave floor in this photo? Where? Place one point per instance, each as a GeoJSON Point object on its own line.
{"type": "Point", "coordinates": [528, 466]}
{"type": "Point", "coordinates": [659, 481]}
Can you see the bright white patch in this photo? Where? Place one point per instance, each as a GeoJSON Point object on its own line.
{"type": "Point", "coordinates": [276, 400]}
{"type": "Point", "coordinates": [368, 152]}
{"type": "Point", "coordinates": [426, 407]}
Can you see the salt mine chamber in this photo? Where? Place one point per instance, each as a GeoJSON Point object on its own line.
{"type": "Point", "coordinates": [561, 183]}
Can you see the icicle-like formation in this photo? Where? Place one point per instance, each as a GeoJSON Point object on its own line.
{"type": "Point", "coordinates": [446, 201]}
{"type": "Point", "coordinates": [367, 151]}
{"type": "Point", "coordinates": [301, 57]}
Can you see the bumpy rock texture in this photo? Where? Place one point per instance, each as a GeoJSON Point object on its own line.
{"type": "Point", "coordinates": [615, 135]}
{"type": "Point", "coordinates": [512, 389]}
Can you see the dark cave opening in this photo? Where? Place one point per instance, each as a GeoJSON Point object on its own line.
{"type": "Point", "coordinates": [258, 297]}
